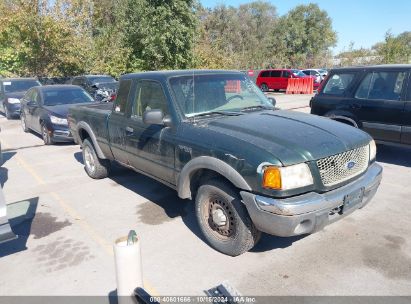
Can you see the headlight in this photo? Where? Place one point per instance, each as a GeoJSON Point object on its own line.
{"type": "Point", "coordinates": [373, 150]}
{"type": "Point", "coordinates": [58, 121]}
{"type": "Point", "coordinates": [286, 178]}
{"type": "Point", "coordinates": [13, 100]}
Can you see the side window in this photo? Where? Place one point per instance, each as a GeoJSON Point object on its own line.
{"type": "Point", "coordinates": [120, 104]}
{"type": "Point", "coordinates": [76, 81]}
{"type": "Point", "coordinates": [34, 97]}
{"type": "Point", "coordinates": [27, 96]}
{"type": "Point", "coordinates": [150, 96]}
{"type": "Point", "coordinates": [265, 74]}
{"type": "Point", "coordinates": [338, 83]}
{"type": "Point", "coordinates": [381, 85]}
{"type": "Point", "coordinates": [286, 74]}
{"type": "Point", "coordinates": [275, 74]}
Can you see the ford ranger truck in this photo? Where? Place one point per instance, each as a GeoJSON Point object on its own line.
{"type": "Point", "coordinates": [216, 139]}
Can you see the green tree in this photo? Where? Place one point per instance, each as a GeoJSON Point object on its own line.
{"type": "Point", "coordinates": [304, 36]}
{"type": "Point", "coordinates": [160, 34]}
{"type": "Point", "coordinates": [395, 49]}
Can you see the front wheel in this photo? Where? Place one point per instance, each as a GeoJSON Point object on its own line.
{"type": "Point", "coordinates": [45, 134]}
{"type": "Point", "coordinates": [23, 123]}
{"type": "Point", "coordinates": [96, 167]}
{"type": "Point", "coordinates": [7, 113]}
{"type": "Point", "coordinates": [223, 218]}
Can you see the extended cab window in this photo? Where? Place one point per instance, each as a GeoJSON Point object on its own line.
{"type": "Point", "coordinates": [381, 85]}
{"type": "Point", "coordinates": [338, 83]}
{"type": "Point", "coordinates": [120, 103]}
{"type": "Point", "coordinates": [150, 96]}
{"type": "Point", "coordinates": [265, 74]}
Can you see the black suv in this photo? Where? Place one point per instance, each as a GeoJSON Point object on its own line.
{"type": "Point", "coordinates": [376, 99]}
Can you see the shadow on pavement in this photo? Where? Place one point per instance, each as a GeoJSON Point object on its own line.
{"type": "Point", "coordinates": [163, 205]}
{"type": "Point", "coordinates": [4, 172]}
{"type": "Point", "coordinates": [394, 155]}
{"type": "Point", "coordinates": [20, 220]}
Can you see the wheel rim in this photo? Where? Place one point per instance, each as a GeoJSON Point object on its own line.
{"type": "Point", "coordinates": [23, 122]}
{"type": "Point", "coordinates": [220, 218]}
{"type": "Point", "coordinates": [45, 135]}
{"type": "Point", "coordinates": [89, 159]}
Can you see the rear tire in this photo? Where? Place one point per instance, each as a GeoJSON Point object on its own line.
{"type": "Point", "coordinates": [95, 167]}
{"type": "Point", "coordinates": [264, 87]}
{"type": "Point", "coordinates": [223, 218]}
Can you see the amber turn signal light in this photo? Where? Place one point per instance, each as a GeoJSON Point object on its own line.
{"type": "Point", "coordinates": [272, 178]}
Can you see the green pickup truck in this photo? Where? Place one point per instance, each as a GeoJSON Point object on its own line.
{"type": "Point", "coordinates": [214, 137]}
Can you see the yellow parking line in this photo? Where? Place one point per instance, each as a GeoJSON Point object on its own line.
{"type": "Point", "coordinates": [76, 216]}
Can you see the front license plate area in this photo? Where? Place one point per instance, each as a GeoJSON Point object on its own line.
{"type": "Point", "coordinates": [353, 199]}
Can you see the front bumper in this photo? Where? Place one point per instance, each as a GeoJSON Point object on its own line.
{"type": "Point", "coordinates": [61, 134]}
{"type": "Point", "coordinates": [312, 211]}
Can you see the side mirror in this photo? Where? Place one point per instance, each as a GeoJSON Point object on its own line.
{"type": "Point", "coordinates": [153, 117]}
{"type": "Point", "coordinates": [272, 100]}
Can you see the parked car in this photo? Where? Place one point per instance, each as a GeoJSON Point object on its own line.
{"type": "Point", "coordinates": [91, 83]}
{"type": "Point", "coordinates": [11, 90]}
{"type": "Point", "coordinates": [44, 110]}
{"type": "Point", "coordinates": [376, 99]}
{"type": "Point", "coordinates": [278, 79]}
{"type": "Point", "coordinates": [316, 73]}
{"type": "Point", "coordinates": [248, 166]}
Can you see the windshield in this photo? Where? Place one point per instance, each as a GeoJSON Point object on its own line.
{"type": "Point", "coordinates": [11, 86]}
{"type": "Point", "coordinates": [101, 79]}
{"type": "Point", "coordinates": [66, 96]}
{"type": "Point", "coordinates": [299, 73]}
{"type": "Point", "coordinates": [219, 92]}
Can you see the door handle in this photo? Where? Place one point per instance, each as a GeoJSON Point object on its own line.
{"type": "Point", "coordinates": [356, 106]}
{"type": "Point", "coordinates": [129, 131]}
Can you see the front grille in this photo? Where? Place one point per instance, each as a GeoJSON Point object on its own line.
{"type": "Point", "coordinates": [341, 167]}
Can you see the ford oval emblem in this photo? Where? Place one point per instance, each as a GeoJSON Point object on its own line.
{"type": "Point", "coordinates": [351, 164]}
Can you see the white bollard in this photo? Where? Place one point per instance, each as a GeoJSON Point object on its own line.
{"type": "Point", "coordinates": [129, 271]}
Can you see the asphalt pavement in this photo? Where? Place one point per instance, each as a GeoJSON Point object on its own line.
{"type": "Point", "coordinates": [66, 249]}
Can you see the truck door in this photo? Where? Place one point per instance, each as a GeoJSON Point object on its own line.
{"type": "Point", "coordinates": [150, 147]}
{"type": "Point", "coordinates": [406, 126]}
{"type": "Point", "coordinates": [117, 122]}
{"type": "Point", "coordinates": [379, 103]}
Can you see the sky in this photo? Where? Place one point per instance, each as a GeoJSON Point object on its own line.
{"type": "Point", "coordinates": [363, 22]}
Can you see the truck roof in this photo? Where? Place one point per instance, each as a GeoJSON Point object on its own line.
{"type": "Point", "coordinates": [173, 73]}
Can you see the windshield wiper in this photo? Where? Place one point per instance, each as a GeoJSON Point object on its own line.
{"type": "Point", "coordinates": [256, 108]}
{"type": "Point", "coordinates": [224, 113]}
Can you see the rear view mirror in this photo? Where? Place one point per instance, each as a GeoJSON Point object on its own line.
{"type": "Point", "coordinates": [153, 117]}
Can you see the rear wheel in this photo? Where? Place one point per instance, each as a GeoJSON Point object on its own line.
{"type": "Point", "coordinates": [264, 87]}
{"type": "Point", "coordinates": [223, 218]}
{"type": "Point", "coordinates": [96, 167]}
{"type": "Point", "coordinates": [46, 135]}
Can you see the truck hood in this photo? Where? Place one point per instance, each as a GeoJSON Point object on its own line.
{"type": "Point", "coordinates": [292, 137]}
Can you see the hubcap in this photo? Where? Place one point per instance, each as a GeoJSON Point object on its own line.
{"type": "Point", "coordinates": [89, 159]}
{"type": "Point", "coordinates": [221, 218]}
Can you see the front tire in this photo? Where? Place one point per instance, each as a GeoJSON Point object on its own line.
{"type": "Point", "coordinates": [23, 123]}
{"type": "Point", "coordinates": [95, 167]}
{"type": "Point", "coordinates": [46, 135]}
{"type": "Point", "coordinates": [7, 113]}
{"type": "Point", "coordinates": [223, 218]}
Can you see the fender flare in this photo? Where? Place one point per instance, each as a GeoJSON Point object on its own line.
{"type": "Point", "coordinates": [343, 116]}
{"type": "Point", "coordinates": [209, 163]}
{"type": "Point", "coordinates": [84, 126]}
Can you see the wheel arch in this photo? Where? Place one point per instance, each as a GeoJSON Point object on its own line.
{"type": "Point", "coordinates": [203, 168]}
{"type": "Point", "coordinates": [84, 131]}
{"type": "Point", "coordinates": [344, 117]}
